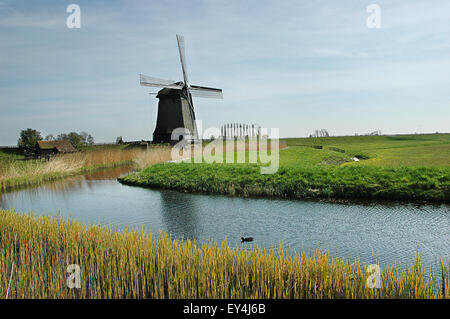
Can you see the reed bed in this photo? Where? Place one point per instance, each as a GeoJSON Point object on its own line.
{"type": "Point", "coordinates": [123, 263]}
{"type": "Point", "coordinates": [153, 155]}
{"type": "Point", "coordinates": [15, 174]}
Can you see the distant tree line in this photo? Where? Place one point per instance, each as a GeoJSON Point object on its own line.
{"type": "Point", "coordinates": [320, 133]}
{"type": "Point", "coordinates": [77, 139]}
{"type": "Point", "coordinates": [374, 133]}
{"type": "Point", "coordinates": [29, 138]}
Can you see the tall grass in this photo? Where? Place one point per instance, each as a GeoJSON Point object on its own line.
{"type": "Point", "coordinates": [27, 173]}
{"type": "Point", "coordinates": [117, 263]}
{"type": "Point", "coordinates": [154, 155]}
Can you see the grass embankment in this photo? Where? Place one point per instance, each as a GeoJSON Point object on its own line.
{"type": "Point", "coordinates": [410, 167]}
{"type": "Point", "coordinates": [130, 264]}
{"type": "Point", "coordinates": [402, 183]}
{"type": "Point", "coordinates": [16, 172]}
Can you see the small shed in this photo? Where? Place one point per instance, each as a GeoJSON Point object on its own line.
{"type": "Point", "coordinates": [49, 148]}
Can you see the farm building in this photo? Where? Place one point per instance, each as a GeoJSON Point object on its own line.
{"type": "Point", "coordinates": [49, 148]}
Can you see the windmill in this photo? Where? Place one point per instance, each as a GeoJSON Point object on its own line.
{"type": "Point", "coordinates": [175, 106]}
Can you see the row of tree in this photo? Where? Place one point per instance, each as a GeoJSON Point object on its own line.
{"type": "Point", "coordinates": [29, 138]}
{"type": "Point", "coordinates": [320, 133]}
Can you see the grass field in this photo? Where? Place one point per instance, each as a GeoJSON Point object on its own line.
{"type": "Point", "coordinates": [401, 150]}
{"type": "Point", "coordinates": [409, 167]}
{"type": "Point", "coordinates": [117, 263]}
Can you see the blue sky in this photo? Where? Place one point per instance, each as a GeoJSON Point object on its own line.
{"type": "Point", "coordinates": [295, 65]}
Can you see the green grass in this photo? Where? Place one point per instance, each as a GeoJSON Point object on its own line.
{"type": "Point", "coordinates": [10, 156]}
{"type": "Point", "coordinates": [400, 150]}
{"type": "Point", "coordinates": [409, 167]}
{"type": "Point", "coordinates": [298, 156]}
{"type": "Point", "coordinates": [117, 263]}
{"type": "Point", "coordinates": [394, 183]}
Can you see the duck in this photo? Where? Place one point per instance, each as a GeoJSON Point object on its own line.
{"type": "Point", "coordinates": [243, 239]}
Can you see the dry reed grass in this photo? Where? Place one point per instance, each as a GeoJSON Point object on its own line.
{"type": "Point", "coordinates": [117, 263]}
{"type": "Point", "coordinates": [152, 156]}
{"type": "Point", "coordinates": [26, 173]}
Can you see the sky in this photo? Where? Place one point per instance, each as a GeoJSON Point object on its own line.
{"type": "Point", "coordinates": [293, 65]}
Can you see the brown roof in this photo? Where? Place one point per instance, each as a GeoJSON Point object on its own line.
{"type": "Point", "coordinates": [60, 146]}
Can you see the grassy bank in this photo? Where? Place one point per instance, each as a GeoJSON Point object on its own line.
{"type": "Point", "coordinates": [401, 183]}
{"type": "Point", "coordinates": [16, 172]}
{"type": "Point", "coordinates": [130, 264]}
{"type": "Point", "coordinates": [407, 167]}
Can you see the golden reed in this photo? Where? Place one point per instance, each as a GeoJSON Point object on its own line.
{"type": "Point", "coordinates": [118, 263]}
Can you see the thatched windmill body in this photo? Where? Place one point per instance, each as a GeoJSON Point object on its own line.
{"type": "Point", "coordinates": [175, 107]}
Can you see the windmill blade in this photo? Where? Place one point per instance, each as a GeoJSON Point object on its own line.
{"type": "Point", "coordinates": [146, 80]}
{"type": "Point", "coordinates": [180, 40]}
{"type": "Point", "coordinates": [203, 91]}
{"type": "Point", "coordinates": [211, 95]}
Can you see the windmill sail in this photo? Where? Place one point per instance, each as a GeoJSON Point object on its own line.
{"type": "Point", "coordinates": [180, 40]}
{"type": "Point", "coordinates": [203, 91]}
{"type": "Point", "coordinates": [146, 80]}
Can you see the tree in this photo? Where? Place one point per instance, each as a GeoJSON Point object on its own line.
{"type": "Point", "coordinates": [29, 138]}
{"type": "Point", "coordinates": [49, 137]}
{"type": "Point", "coordinates": [84, 136]}
{"type": "Point", "coordinates": [62, 137]}
{"type": "Point", "coordinates": [76, 139]}
{"type": "Point", "coordinates": [320, 133]}
{"type": "Point", "coordinates": [119, 140]}
{"type": "Point", "coordinates": [89, 140]}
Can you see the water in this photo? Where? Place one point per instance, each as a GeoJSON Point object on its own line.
{"type": "Point", "coordinates": [387, 233]}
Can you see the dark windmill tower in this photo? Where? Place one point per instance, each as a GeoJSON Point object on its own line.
{"type": "Point", "coordinates": [175, 107]}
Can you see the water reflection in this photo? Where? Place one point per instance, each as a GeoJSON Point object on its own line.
{"type": "Point", "coordinates": [110, 174]}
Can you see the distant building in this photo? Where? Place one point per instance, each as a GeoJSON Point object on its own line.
{"type": "Point", "coordinates": [49, 148]}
